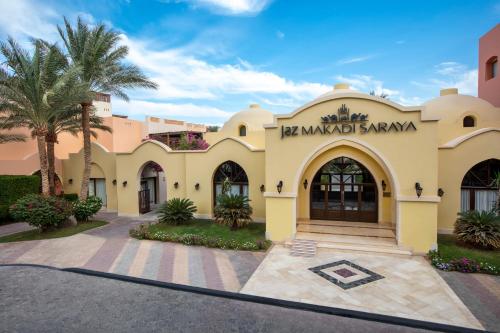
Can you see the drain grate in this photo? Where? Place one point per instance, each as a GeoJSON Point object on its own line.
{"type": "Point", "coordinates": [303, 248]}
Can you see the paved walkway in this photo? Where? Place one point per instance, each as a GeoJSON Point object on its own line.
{"type": "Point", "coordinates": [14, 228]}
{"type": "Point", "coordinates": [43, 300]}
{"type": "Point", "coordinates": [387, 284]}
{"type": "Point", "coordinates": [110, 249]}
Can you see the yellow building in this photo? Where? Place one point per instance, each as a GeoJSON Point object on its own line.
{"type": "Point", "coordinates": [348, 157]}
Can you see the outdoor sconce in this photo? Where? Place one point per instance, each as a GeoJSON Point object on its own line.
{"type": "Point", "coordinates": [197, 186]}
{"type": "Point", "coordinates": [262, 188]}
{"type": "Point", "coordinates": [418, 189]}
{"type": "Point", "coordinates": [114, 181]}
{"type": "Point", "coordinates": [70, 181]}
{"type": "Point", "coordinates": [305, 184]}
{"type": "Point", "coordinates": [176, 184]}
{"type": "Point", "coordinates": [440, 192]}
{"type": "Point", "coordinates": [279, 187]}
{"type": "Point", "coordinates": [124, 183]}
{"type": "Point", "coordinates": [384, 185]}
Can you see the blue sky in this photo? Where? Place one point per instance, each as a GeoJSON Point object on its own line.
{"type": "Point", "coordinates": [212, 58]}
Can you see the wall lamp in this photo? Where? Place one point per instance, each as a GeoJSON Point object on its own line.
{"type": "Point", "coordinates": [70, 181]}
{"type": "Point", "coordinates": [176, 184]}
{"type": "Point", "coordinates": [124, 183]}
{"type": "Point", "coordinates": [262, 188]}
{"type": "Point", "coordinates": [197, 186]}
{"type": "Point", "coordinates": [418, 189]}
{"type": "Point", "coordinates": [440, 192]}
{"type": "Point", "coordinates": [114, 181]}
{"type": "Point", "coordinates": [305, 184]}
{"type": "Point", "coordinates": [384, 185]}
{"type": "Point", "coordinates": [279, 187]}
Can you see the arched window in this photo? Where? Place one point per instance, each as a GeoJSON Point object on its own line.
{"type": "Point", "coordinates": [492, 68]}
{"type": "Point", "coordinates": [469, 121]}
{"type": "Point", "coordinates": [234, 173]}
{"type": "Point", "coordinates": [478, 191]}
{"type": "Point", "coordinates": [243, 130]}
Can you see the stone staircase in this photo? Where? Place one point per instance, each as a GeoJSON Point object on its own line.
{"type": "Point", "coordinates": [303, 248]}
{"type": "Point", "coordinates": [352, 236]}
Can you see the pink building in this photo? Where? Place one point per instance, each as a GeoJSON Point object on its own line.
{"type": "Point", "coordinates": [489, 80]}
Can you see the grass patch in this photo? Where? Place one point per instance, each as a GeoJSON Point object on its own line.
{"type": "Point", "coordinates": [206, 233]}
{"type": "Point", "coordinates": [57, 233]}
{"type": "Point", "coordinates": [449, 250]}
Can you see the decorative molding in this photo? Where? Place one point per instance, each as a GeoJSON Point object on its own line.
{"type": "Point", "coordinates": [280, 195]}
{"type": "Point", "coordinates": [457, 141]}
{"type": "Point", "coordinates": [414, 198]}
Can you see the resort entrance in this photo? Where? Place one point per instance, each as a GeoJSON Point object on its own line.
{"type": "Point", "coordinates": [344, 190]}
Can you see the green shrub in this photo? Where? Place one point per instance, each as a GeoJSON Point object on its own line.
{"type": "Point", "coordinates": [143, 232]}
{"type": "Point", "coordinates": [233, 210]}
{"type": "Point", "coordinates": [40, 211]}
{"type": "Point", "coordinates": [176, 211]}
{"type": "Point", "coordinates": [84, 209]}
{"type": "Point", "coordinates": [71, 197]}
{"type": "Point", "coordinates": [481, 229]}
{"type": "Point", "coordinates": [13, 188]}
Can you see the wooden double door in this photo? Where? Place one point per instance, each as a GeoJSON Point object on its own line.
{"type": "Point", "coordinates": [344, 190]}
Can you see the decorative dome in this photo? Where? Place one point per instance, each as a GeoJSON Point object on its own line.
{"type": "Point", "coordinates": [451, 107]}
{"type": "Point", "coordinates": [254, 117]}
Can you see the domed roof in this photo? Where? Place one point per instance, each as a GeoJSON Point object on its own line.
{"type": "Point", "coordinates": [450, 107]}
{"type": "Point", "coordinates": [253, 117]}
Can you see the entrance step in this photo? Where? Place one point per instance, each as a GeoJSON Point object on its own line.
{"type": "Point", "coordinates": [346, 230]}
{"type": "Point", "coordinates": [303, 248]}
{"type": "Point", "coordinates": [353, 243]}
{"type": "Point", "coordinates": [332, 223]}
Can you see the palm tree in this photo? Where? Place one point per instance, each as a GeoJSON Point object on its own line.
{"type": "Point", "coordinates": [67, 121]}
{"type": "Point", "coordinates": [96, 50]}
{"type": "Point", "coordinates": [5, 138]}
{"type": "Point", "coordinates": [35, 86]}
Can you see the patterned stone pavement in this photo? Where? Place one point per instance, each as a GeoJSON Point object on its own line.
{"type": "Point", "coordinates": [109, 249]}
{"type": "Point", "coordinates": [14, 228]}
{"type": "Point", "coordinates": [405, 286]}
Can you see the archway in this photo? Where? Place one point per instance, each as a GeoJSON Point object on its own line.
{"type": "Point", "coordinates": [152, 187]}
{"type": "Point", "coordinates": [344, 190]}
{"type": "Point", "coordinates": [233, 173]}
{"type": "Point", "coordinates": [478, 191]}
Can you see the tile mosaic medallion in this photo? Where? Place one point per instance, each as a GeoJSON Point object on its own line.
{"type": "Point", "coordinates": [346, 274]}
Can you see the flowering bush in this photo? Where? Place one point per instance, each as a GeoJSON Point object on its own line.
{"type": "Point", "coordinates": [40, 211]}
{"type": "Point", "coordinates": [84, 209]}
{"type": "Point", "coordinates": [464, 265]}
{"type": "Point", "coordinates": [143, 232]}
{"type": "Point", "coordinates": [191, 142]}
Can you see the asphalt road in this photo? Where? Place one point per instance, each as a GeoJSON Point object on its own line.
{"type": "Point", "coordinates": [45, 300]}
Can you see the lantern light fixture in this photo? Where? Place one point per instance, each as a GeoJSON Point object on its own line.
{"type": "Point", "coordinates": [305, 184]}
{"type": "Point", "coordinates": [197, 186]}
{"type": "Point", "coordinates": [418, 189]}
{"type": "Point", "coordinates": [384, 185]}
{"type": "Point", "coordinates": [176, 185]}
{"type": "Point", "coordinates": [262, 188]}
{"type": "Point", "coordinates": [125, 183]}
{"type": "Point", "coordinates": [114, 181]}
{"type": "Point", "coordinates": [279, 187]}
{"type": "Point", "coordinates": [440, 192]}
{"type": "Point", "coordinates": [70, 181]}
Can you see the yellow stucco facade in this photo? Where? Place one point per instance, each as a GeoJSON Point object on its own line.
{"type": "Point", "coordinates": [281, 156]}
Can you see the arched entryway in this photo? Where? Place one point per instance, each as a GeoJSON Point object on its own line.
{"type": "Point", "coordinates": [478, 190]}
{"type": "Point", "coordinates": [344, 190]}
{"type": "Point", "coordinates": [232, 173]}
{"type": "Point", "coordinates": [152, 187]}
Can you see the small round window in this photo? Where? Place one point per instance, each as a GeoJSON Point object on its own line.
{"type": "Point", "coordinates": [469, 121]}
{"type": "Point", "coordinates": [243, 130]}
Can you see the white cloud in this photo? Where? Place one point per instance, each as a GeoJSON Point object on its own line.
{"type": "Point", "coordinates": [231, 7]}
{"type": "Point", "coordinates": [354, 60]}
{"type": "Point", "coordinates": [159, 109]}
{"type": "Point", "coordinates": [451, 74]}
{"type": "Point", "coordinates": [22, 18]}
{"type": "Point", "coordinates": [181, 75]}
{"type": "Point", "coordinates": [367, 83]}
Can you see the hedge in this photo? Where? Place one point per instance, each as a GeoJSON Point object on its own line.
{"type": "Point", "coordinates": [13, 188]}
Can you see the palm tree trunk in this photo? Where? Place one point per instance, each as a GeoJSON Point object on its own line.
{"type": "Point", "coordinates": [51, 140]}
{"type": "Point", "coordinates": [87, 155]}
{"type": "Point", "coordinates": [42, 153]}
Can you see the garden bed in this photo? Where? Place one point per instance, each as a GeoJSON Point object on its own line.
{"type": "Point", "coordinates": [206, 233]}
{"type": "Point", "coordinates": [56, 233]}
{"type": "Point", "coordinates": [454, 256]}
